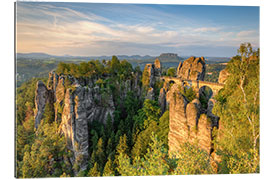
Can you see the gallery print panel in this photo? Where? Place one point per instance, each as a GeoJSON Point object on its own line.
{"type": "Point", "coordinates": [116, 89]}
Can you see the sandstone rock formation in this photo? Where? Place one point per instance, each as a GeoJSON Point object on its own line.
{"type": "Point", "coordinates": [192, 69]}
{"type": "Point", "coordinates": [157, 67]}
{"type": "Point", "coordinates": [193, 112]}
{"type": "Point", "coordinates": [162, 100]}
{"type": "Point", "coordinates": [178, 132]}
{"type": "Point", "coordinates": [188, 123]}
{"type": "Point", "coordinates": [154, 73]}
{"type": "Point", "coordinates": [78, 102]}
{"type": "Point", "coordinates": [150, 94]}
{"type": "Point", "coordinates": [41, 99]}
{"type": "Point", "coordinates": [223, 75]}
{"type": "Point", "coordinates": [150, 68]}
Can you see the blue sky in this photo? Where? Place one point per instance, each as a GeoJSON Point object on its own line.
{"type": "Point", "coordinates": [88, 29]}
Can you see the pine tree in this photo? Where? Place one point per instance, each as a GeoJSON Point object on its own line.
{"type": "Point", "coordinates": [109, 147]}
{"type": "Point", "coordinates": [94, 140]}
{"type": "Point", "coordinates": [109, 126]}
{"type": "Point", "coordinates": [122, 145]}
{"type": "Point", "coordinates": [100, 154]}
{"type": "Point", "coordinates": [108, 169]}
{"type": "Point", "coordinates": [94, 172]}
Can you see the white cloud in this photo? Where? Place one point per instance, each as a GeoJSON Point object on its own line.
{"type": "Point", "coordinates": [207, 29]}
{"type": "Point", "coordinates": [246, 33]}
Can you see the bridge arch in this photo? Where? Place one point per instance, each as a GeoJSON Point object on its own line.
{"type": "Point", "coordinates": [205, 94]}
{"type": "Point", "coordinates": [171, 82]}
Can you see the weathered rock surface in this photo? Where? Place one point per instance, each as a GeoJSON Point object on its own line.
{"type": "Point", "coordinates": [188, 123]}
{"type": "Point", "coordinates": [223, 75]}
{"type": "Point", "coordinates": [150, 94]}
{"type": "Point", "coordinates": [151, 74]}
{"type": "Point", "coordinates": [157, 68]}
{"type": "Point", "coordinates": [162, 100]}
{"type": "Point", "coordinates": [192, 69]}
{"type": "Point", "coordinates": [77, 102]}
{"type": "Point", "coordinates": [193, 114]}
{"type": "Point", "coordinates": [41, 99]}
{"type": "Point", "coordinates": [154, 72]}
{"type": "Point", "coordinates": [204, 133]}
{"type": "Point", "coordinates": [178, 132]}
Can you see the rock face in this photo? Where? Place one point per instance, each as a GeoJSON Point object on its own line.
{"type": "Point", "coordinates": [41, 99]}
{"type": "Point", "coordinates": [223, 75]}
{"type": "Point", "coordinates": [192, 69]}
{"type": "Point", "coordinates": [162, 100]}
{"type": "Point", "coordinates": [188, 123]}
{"type": "Point", "coordinates": [178, 132]}
{"type": "Point", "coordinates": [150, 68]}
{"type": "Point", "coordinates": [154, 73]}
{"type": "Point", "coordinates": [157, 68]}
{"type": "Point", "coordinates": [193, 112]}
{"type": "Point", "coordinates": [78, 102]}
{"type": "Point", "coordinates": [150, 94]}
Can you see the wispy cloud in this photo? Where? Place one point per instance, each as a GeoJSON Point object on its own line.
{"type": "Point", "coordinates": [58, 29]}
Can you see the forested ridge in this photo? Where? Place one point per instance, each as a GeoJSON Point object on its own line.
{"type": "Point", "coordinates": [135, 140]}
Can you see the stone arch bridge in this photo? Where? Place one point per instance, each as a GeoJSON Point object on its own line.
{"type": "Point", "coordinates": [195, 84]}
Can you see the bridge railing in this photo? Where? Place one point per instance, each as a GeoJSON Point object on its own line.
{"type": "Point", "coordinates": [193, 81]}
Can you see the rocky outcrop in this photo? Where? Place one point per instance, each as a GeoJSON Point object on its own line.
{"type": "Point", "coordinates": [188, 122]}
{"type": "Point", "coordinates": [204, 133]}
{"type": "Point", "coordinates": [178, 132]}
{"type": "Point", "coordinates": [82, 106]}
{"type": "Point", "coordinates": [150, 68]}
{"type": "Point", "coordinates": [153, 73]}
{"type": "Point", "coordinates": [157, 68]}
{"type": "Point", "coordinates": [77, 102]}
{"type": "Point", "coordinates": [162, 100]}
{"type": "Point", "coordinates": [192, 69]}
{"type": "Point", "coordinates": [41, 98]}
{"type": "Point", "coordinates": [223, 75]}
{"type": "Point", "coordinates": [193, 112]}
{"type": "Point", "coordinates": [59, 98]}
{"type": "Point", "coordinates": [150, 94]}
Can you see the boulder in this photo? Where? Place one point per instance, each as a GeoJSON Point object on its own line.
{"type": "Point", "coordinates": [192, 69]}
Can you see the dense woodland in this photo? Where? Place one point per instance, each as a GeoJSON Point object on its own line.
{"type": "Point", "coordinates": [136, 142]}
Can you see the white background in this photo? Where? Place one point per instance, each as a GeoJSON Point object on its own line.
{"type": "Point", "coordinates": [7, 86]}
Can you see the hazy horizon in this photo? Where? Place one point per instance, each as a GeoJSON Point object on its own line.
{"type": "Point", "coordinates": [184, 55]}
{"type": "Point", "coordinates": [93, 29]}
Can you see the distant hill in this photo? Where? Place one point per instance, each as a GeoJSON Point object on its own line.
{"type": "Point", "coordinates": [67, 57]}
{"type": "Point", "coordinates": [169, 57]}
{"type": "Point", "coordinates": [164, 57]}
{"type": "Point", "coordinates": [34, 55]}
